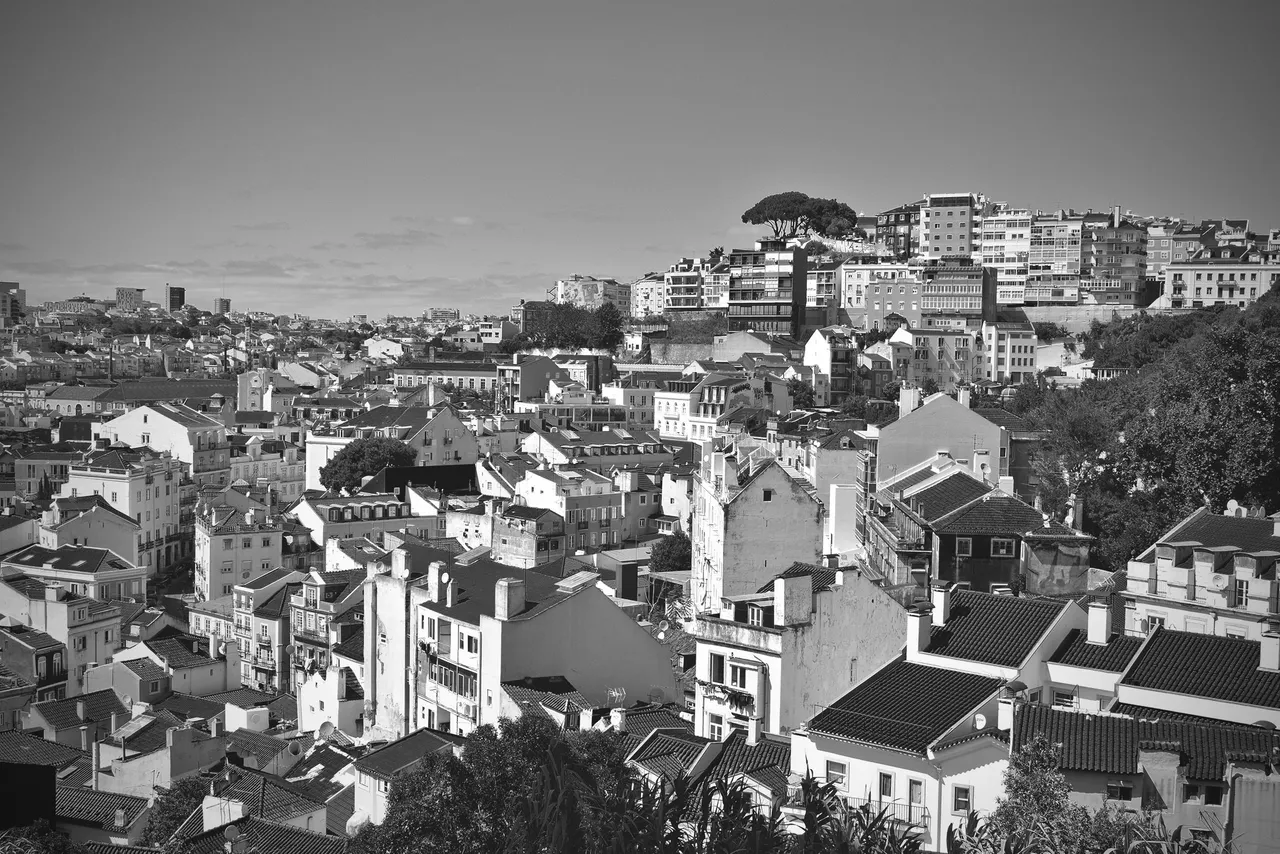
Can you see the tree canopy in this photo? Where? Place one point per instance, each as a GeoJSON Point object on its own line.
{"type": "Point", "coordinates": [802, 394]}
{"type": "Point", "coordinates": [793, 213]}
{"type": "Point", "coordinates": [671, 554]}
{"type": "Point", "coordinates": [573, 327]}
{"type": "Point", "coordinates": [364, 458]}
{"type": "Point", "coordinates": [173, 807]}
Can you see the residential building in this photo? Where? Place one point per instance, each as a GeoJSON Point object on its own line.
{"type": "Point", "coordinates": [36, 657]}
{"type": "Point", "coordinates": [323, 614]}
{"type": "Point", "coordinates": [1210, 574]}
{"type": "Point", "coordinates": [649, 295]}
{"type": "Point", "coordinates": [956, 289]}
{"type": "Point", "coordinates": [443, 635]}
{"type": "Point", "coordinates": [898, 231]}
{"type": "Point", "coordinates": [751, 519]}
{"type": "Point", "coordinates": [1113, 260]}
{"type": "Point", "coordinates": [233, 547]}
{"type": "Point", "coordinates": [147, 486]}
{"type": "Point", "coordinates": [38, 470]}
{"type": "Point", "coordinates": [682, 286]}
{"type": "Point", "coordinates": [260, 614]}
{"type": "Point", "coordinates": [1006, 247]}
{"type": "Point", "coordinates": [88, 628]}
{"type": "Point", "coordinates": [1222, 275]}
{"type": "Point", "coordinates": [595, 450]}
{"type": "Point", "coordinates": [808, 636]}
{"type": "Point", "coordinates": [470, 375]}
{"type": "Point", "coordinates": [589, 502]}
{"type": "Point", "coordinates": [825, 278]}
{"type": "Point", "coordinates": [77, 721]}
{"type": "Point", "coordinates": [93, 572]}
{"type": "Point", "coordinates": [525, 377]}
{"type": "Point", "coordinates": [767, 288]}
{"type": "Point", "coordinates": [761, 767]}
{"type": "Point", "coordinates": [221, 306]}
{"type": "Point", "coordinates": [194, 665]}
{"type": "Point", "coordinates": [1054, 259]}
{"type": "Point", "coordinates": [376, 770]}
{"type": "Point", "coordinates": [175, 297]}
{"type": "Point", "coordinates": [353, 516]}
{"type": "Point", "coordinates": [951, 225]}
{"type": "Point", "coordinates": [526, 536]}
{"type": "Point", "coordinates": [213, 619]}
{"type": "Point", "coordinates": [637, 399]}
{"type": "Point", "coordinates": [831, 351]}
{"type": "Point", "coordinates": [591, 293]}
{"type": "Point", "coordinates": [138, 680]}
{"type": "Point", "coordinates": [129, 299]}
{"type": "Point", "coordinates": [258, 461]}
{"type": "Point", "coordinates": [1008, 351]}
{"type": "Point", "coordinates": [90, 520]}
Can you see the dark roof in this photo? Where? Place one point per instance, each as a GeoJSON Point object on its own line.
{"type": "Point", "coordinates": [1004, 418]}
{"type": "Point", "coordinates": [1147, 713]}
{"type": "Point", "coordinates": [340, 808]}
{"type": "Point", "coordinates": [823, 578]}
{"type": "Point", "coordinates": [949, 494]}
{"type": "Point", "coordinates": [385, 762]}
{"type": "Point", "coordinates": [88, 806]}
{"type": "Point", "coordinates": [1109, 744]}
{"type": "Point", "coordinates": [190, 706]}
{"type": "Point", "coordinates": [999, 513]}
{"type": "Point", "coordinates": [99, 706]}
{"type": "Point", "coordinates": [1113, 657]}
{"type": "Point", "coordinates": [277, 605]}
{"type": "Point", "coordinates": [768, 760]}
{"type": "Point", "coordinates": [149, 731]}
{"type": "Point", "coordinates": [33, 638]}
{"type": "Point", "coordinates": [1212, 666]}
{"type": "Point", "coordinates": [245, 698]}
{"type": "Point", "coordinates": [909, 480]}
{"type": "Point", "coordinates": [474, 590]}
{"type": "Point", "coordinates": [68, 559]}
{"type": "Point", "coordinates": [266, 796]}
{"type": "Point", "coordinates": [1212, 530]}
{"type": "Point", "coordinates": [669, 754]}
{"type": "Point", "coordinates": [352, 647]}
{"type": "Point", "coordinates": [264, 836]}
{"type": "Point", "coordinates": [20, 747]}
{"type": "Point", "coordinates": [313, 774]}
{"type": "Point", "coordinates": [246, 742]}
{"type": "Point", "coordinates": [1000, 630]}
{"type": "Point", "coordinates": [145, 668]}
{"type": "Point", "coordinates": [182, 650]}
{"type": "Point", "coordinates": [906, 706]}
{"type": "Point", "coordinates": [548, 692]}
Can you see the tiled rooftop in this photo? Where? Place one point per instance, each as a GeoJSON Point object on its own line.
{"type": "Point", "coordinates": [99, 706]}
{"type": "Point", "coordinates": [1212, 666]}
{"type": "Point", "coordinates": [1000, 630]}
{"type": "Point", "coordinates": [1113, 657]}
{"type": "Point", "coordinates": [385, 762]}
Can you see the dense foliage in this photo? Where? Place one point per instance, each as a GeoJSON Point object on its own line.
{"type": "Point", "coordinates": [1195, 423]}
{"type": "Point", "coordinates": [173, 807]}
{"type": "Point", "coordinates": [364, 458]}
{"type": "Point", "coordinates": [802, 394]}
{"type": "Point", "coordinates": [671, 554]}
{"type": "Point", "coordinates": [793, 213]}
{"type": "Point", "coordinates": [573, 327]}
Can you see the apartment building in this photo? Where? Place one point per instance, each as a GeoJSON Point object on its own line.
{"type": "Point", "coordinates": [951, 225]}
{"type": "Point", "coordinates": [1113, 260]}
{"type": "Point", "coordinates": [649, 296]}
{"type": "Point", "coordinates": [751, 519]}
{"type": "Point", "coordinates": [37, 470]}
{"type": "Point", "coordinates": [956, 289]}
{"type": "Point", "coordinates": [636, 398]}
{"type": "Point", "coordinates": [526, 536]}
{"type": "Point", "coordinates": [148, 486]}
{"type": "Point", "coordinates": [37, 657]}
{"type": "Point", "coordinates": [825, 279]}
{"type": "Point", "coordinates": [1221, 275]}
{"type": "Point", "coordinates": [89, 520]}
{"type": "Point", "coordinates": [598, 450]}
{"type": "Point", "coordinates": [831, 351]}
{"type": "Point", "coordinates": [88, 628]}
{"type": "Point", "coordinates": [951, 357]}
{"type": "Point", "coordinates": [1006, 248]}
{"type": "Point", "coordinates": [187, 435]}
{"type": "Point", "coordinates": [261, 616]}
{"type": "Point", "coordinates": [1054, 259]}
{"type": "Point", "coordinates": [898, 231]}
{"type": "Point", "coordinates": [767, 288]}
{"type": "Point", "coordinates": [592, 293]}
{"type": "Point", "coordinates": [589, 502]}
{"type": "Point", "coordinates": [94, 572]}
{"type": "Point", "coordinates": [318, 613]}
{"type": "Point", "coordinates": [353, 516]}
{"type": "Point", "coordinates": [764, 661]}
{"type": "Point", "coordinates": [259, 461]}
{"type": "Point", "coordinates": [234, 546]}
{"type": "Point", "coordinates": [1008, 350]}
{"type": "Point", "coordinates": [129, 299]}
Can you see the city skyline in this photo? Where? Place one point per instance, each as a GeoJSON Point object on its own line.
{"type": "Point", "coordinates": [332, 160]}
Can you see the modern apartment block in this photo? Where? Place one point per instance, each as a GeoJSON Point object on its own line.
{"type": "Point", "coordinates": [951, 225]}
{"type": "Point", "coordinates": [592, 293]}
{"type": "Point", "coordinates": [221, 305]}
{"type": "Point", "coordinates": [1054, 259]}
{"type": "Point", "coordinates": [767, 288]}
{"type": "Point", "coordinates": [174, 298]}
{"type": "Point", "coordinates": [129, 299]}
{"type": "Point", "coordinates": [682, 285]}
{"type": "Point", "coordinates": [1006, 247]}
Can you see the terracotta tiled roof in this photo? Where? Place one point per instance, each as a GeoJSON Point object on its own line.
{"type": "Point", "coordinates": [998, 513]}
{"type": "Point", "coordinates": [385, 762]}
{"type": "Point", "coordinates": [949, 495]}
{"type": "Point", "coordinates": [87, 806]}
{"type": "Point", "coordinates": [1212, 530]}
{"type": "Point", "coordinates": [1212, 666]}
{"type": "Point", "coordinates": [264, 836]}
{"type": "Point", "coordinates": [905, 706]}
{"type": "Point", "coordinates": [1147, 713]}
{"type": "Point", "coordinates": [99, 706]}
{"type": "Point", "coordinates": [669, 754]}
{"type": "Point", "coordinates": [340, 808]}
{"type": "Point", "coordinates": [1000, 630]}
{"type": "Point", "coordinates": [1113, 657]}
{"type": "Point", "coordinates": [265, 796]}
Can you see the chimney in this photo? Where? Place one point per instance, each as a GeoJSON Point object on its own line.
{"type": "Point", "coordinates": [93, 764]}
{"type": "Point", "coordinates": [508, 599]}
{"type": "Point", "coordinates": [940, 595]}
{"type": "Point", "coordinates": [433, 580]}
{"type": "Point", "coordinates": [53, 592]}
{"type": "Point", "coordinates": [618, 719]}
{"type": "Point", "coordinates": [908, 401]}
{"type": "Point", "coordinates": [963, 396]}
{"type": "Point", "coordinates": [114, 725]}
{"type": "Point", "coordinates": [1269, 655]}
{"type": "Point", "coordinates": [1275, 525]}
{"type": "Point", "coordinates": [400, 564]}
{"type": "Point", "coordinates": [215, 727]}
{"type": "Point", "coordinates": [84, 738]}
{"type": "Point", "coordinates": [1099, 622]}
{"type": "Point", "coordinates": [831, 561]}
{"type": "Point", "coordinates": [982, 464]}
{"type": "Point", "coordinates": [1004, 711]}
{"type": "Point", "coordinates": [919, 629]}
{"type": "Point", "coordinates": [1115, 217]}
{"type": "Point", "coordinates": [119, 817]}
{"type": "Point", "coordinates": [80, 709]}
{"type": "Point", "coordinates": [792, 600]}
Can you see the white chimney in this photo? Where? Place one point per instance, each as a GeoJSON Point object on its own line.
{"type": "Point", "coordinates": [1269, 654]}
{"type": "Point", "coordinates": [449, 590]}
{"type": "Point", "coordinates": [919, 629]}
{"type": "Point", "coordinates": [84, 738]}
{"type": "Point", "coordinates": [80, 709]}
{"type": "Point", "coordinates": [1099, 622]}
{"type": "Point", "coordinates": [433, 580]}
{"type": "Point", "coordinates": [1004, 712]}
{"type": "Point", "coordinates": [982, 464]}
{"type": "Point", "coordinates": [940, 594]}
{"type": "Point", "coordinates": [400, 564]}
{"type": "Point", "coordinates": [119, 817]}
{"type": "Point", "coordinates": [964, 396]}
{"type": "Point", "coordinates": [618, 718]}
{"type": "Point", "coordinates": [508, 599]}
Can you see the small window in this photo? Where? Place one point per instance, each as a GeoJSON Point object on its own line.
{"type": "Point", "coordinates": [716, 670]}
{"type": "Point", "coordinates": [962, 800]}
{"type": "Point", "coordinates": [715, 727]}
{"type": "Point", "coordinates": [768, 495]}
{"type": "Point", "coordinates": [1191, 792]}
{"type": "Point", "coordinates": [964, 546]}
{"type": "Point", "coordinates": [738, 676]}
{"type": "Point", "coordinates": [1119, 792]}
{"type": "Point", "coordinates": [1001, 547]}
{"type": "Point", "coordinates": [886, 786]}
{"type": "Point", "coordinates": [1213, 796]}
{"type": "Point", "coordinates": [837, 773]}
{"type": "Point", "coordinates": [1064, 699]}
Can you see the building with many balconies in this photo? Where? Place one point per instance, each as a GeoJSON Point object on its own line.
{"type": "Point", "coordinates": [261, 610]}
{"type": "Point", "coordinates": [325, 601]}
{"type": "Point", "coordinates": [767, 288]}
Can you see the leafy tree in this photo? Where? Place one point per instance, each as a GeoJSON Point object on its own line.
{"type": "Point", "coordinates": [37, 838]}
{"type": "Point", "coordinates": [929, 386]}
{"type": "Point", "coordinates": [714, 254]}
{"type": "Point", "coordinates": [829, 218]}
{"type": "Point", "coordinates": [1049, 331]}
{"type": "Point", "coordinates": [1037, 799]}
{"type": "Point", "coordinates": [671, 554]}
{"type": "Point", "coordinates": [801, 391]}
{"type": "Point", "coordinates": [609, 323]}
{"type": "Point", "coordinates": [784, 213]}
{"type": "Point", "coordinates": [364, 458]}
{"type": "Point", "coordinates": [173, 807]}
{"type": "Point", "coordinates": [892, 390]}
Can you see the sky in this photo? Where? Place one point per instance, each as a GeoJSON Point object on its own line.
{"type": "Point", "coordinates": [339, 158]}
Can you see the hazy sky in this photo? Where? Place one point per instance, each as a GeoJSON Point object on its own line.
{"type": "Point", "coordinates": [340, 158]}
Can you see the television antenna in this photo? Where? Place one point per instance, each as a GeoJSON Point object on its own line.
{"type": "Point", "coordinates": [617, 696]}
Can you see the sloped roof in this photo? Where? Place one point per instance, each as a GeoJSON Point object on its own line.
{"type": "Point", "coordinates": [88, 806]}
{"type": "Point", "coordinates": [1113, 657]}
{"type": "Point", "coordinates": [352, 647]}
{"type": "Point", "coordinates": [186, 706]}
{"type": "Point", "coordinates": [68, 559]}
{"type": "Point", "coordinates": [16, 746]}
{"type": "Point", "coordinates": [246, 742]}
{"type": "Point", "coordinates": [339, 809]}
{"type": "Point", "coordinates": [996, 513]}
{"type": "Point", "coordinates": [1212, 666]}
{"type": "Point", "coordinates": [905, 706]}
{"type": "Point", "coordinates": [823, 578]}
{"type": "Point", "coordinates": [33, 638]}
{"type": "Point", "coordinates": [266, 796]}
{"type": "Point", "coordinates": [385, 762]}
{"type": "Point", "coordinates": [1004, 418]}
{"type": "Point", "coordinates": [1000, 630]}
{"type": "Point", "coordinates": [182, 651]}
{"type": "Point", "coordinates": [555, 693]}
{"type": "Point", "coordinates": [265, 836]}
{"type": "Point", "coordinates": [313, 775]}
{"type": "Point", "coordinates": [1214, 531]}
{"type": "Point", "coordinates": [669, 754]}
{"type": "Point", "coordinates": [949, 494]}
{"type": "Point", "coordinates": [99, 706]}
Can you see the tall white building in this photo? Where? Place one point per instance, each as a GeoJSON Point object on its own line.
{"type": "Point", "coordinates": [1006, 247]}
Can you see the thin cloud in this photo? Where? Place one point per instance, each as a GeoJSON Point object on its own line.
{"type": "Point", "coordinates": [345, 264]}
{"type": "Point", "coordinates": [408, 238]}
{"type": "Point", "coordinates": [328, 246]}
{"type": "Point", "coordinates": [12, 247]}
{"type": "Point", "coordinates": [264, 226]}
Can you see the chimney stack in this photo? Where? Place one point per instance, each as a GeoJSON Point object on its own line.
{"type": "Point", "coordinates": [940, 594]}
{"type": "Point", "coordinates": [1099, 622]}
{"type": "Point", "coordinates": [400, 564]}
{"type": "Point", "coordinates": [114, 725]}
{"type": "Point", "coordinates": [84, 738]}
{"type": "Point", "coordinates": [433, 580]}
{"type": "Point", "coordinates": [618, 718]}
{"type": "Point", "coordinates": [449, 590]}
{"type": "Point", "coordinates": [919, 629]}
{"type": "Point", "coordinates": [80, 709]}
{"type": "Point", "coordinates": [1269, 654]}
{"type": "Point", "coordinates": [1115, 217]}
{"type": "Point", "coordinates": [508, 598]}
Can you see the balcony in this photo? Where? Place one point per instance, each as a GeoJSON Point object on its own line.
{"type": "Point", "coordinates": [51, 677]}
{"type": "Point", "coordinates": [913, 815]}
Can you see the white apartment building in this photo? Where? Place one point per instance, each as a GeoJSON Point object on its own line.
{"type": "Point", "coordinates": [269, 462]}
{"type": "Point", "coordinates": [90, 629]}
{"type": "Point", "coordinates": [234, 547]}
{"type": "Point", "coordinates": [1006, 247]}
{"type": "Point", "coordinates": [648, 296]}
{"type": "Point", "coordinates": [589, 502]}
{"type": "Point", "coordinates": [1008, 351]}
{"type": "Point", "coordinates": [140, 484]}
{"type": "Point", "coordinates": [190, 436]}
{"type": "Point", "coordinates": [951, 225]}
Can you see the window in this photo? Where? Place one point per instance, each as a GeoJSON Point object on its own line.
{"type": "Point", "coordinates": [1119, 792]}
{"type": "Point", "coordinates": [155, 686]}
{"type": "Point", "coordinates": [1213, 796]}
{"type": "Point", "coordinates": [886, 786]}
{"type": "Point", "coordinates": [1191, 792]}
{"type": "Point", "coordinates": [1242, 593]}
{"type": "Point", "coordinates": [1064, 699]}
{"type": "Point", "coordinates": [837, 773]}
{"type": "Point", "coordinates": [915, 793]}
{"type": "Point", "coordinates": [715, 727]}
{"type": "Point", "coordinates": [964, 546]}
{"type": "Point", "coordinates": [716, 669]}
{"type": "Point", "coordinates": [768, 495]}
{"type": "Point", "coordinates": [738, 676]}
{"type": "Point", "coordinates": [962, 800]}
{"type": "Point", "coordinates": [1154, 621]}
{"type": "Point", "coordinates": [1001, 547]}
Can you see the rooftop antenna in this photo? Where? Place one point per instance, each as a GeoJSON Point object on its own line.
{"type": "Point", "coordinates": [617, 696]}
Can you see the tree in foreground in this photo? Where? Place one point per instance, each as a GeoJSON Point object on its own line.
{"type": "Point", "coordinates": [364, 458]}
{"type": "Point", "coordinates": [802, 394]}
{"type": "Point", "coordinates": [173, 807]}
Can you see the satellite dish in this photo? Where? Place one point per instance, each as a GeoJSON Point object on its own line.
{"type": "Point", "coordinates": [294, 748]}
{"type": "Point", "coordinates": [979, 721]}
{"type": "Point", "coordinates": [662, 635]}
{"type": "Point", "coordinates": [231, 834]}
{"type": "Point", "coordinates": [128, 701]}
{"type": "Point", "coordinates": [664, 625]}
{"type": "Point", "coordinates": [325, 731]}
{"type": "Point", "coordinates": [1219, 581]}
{"type": "Point", "coordinates": [444, 578]}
